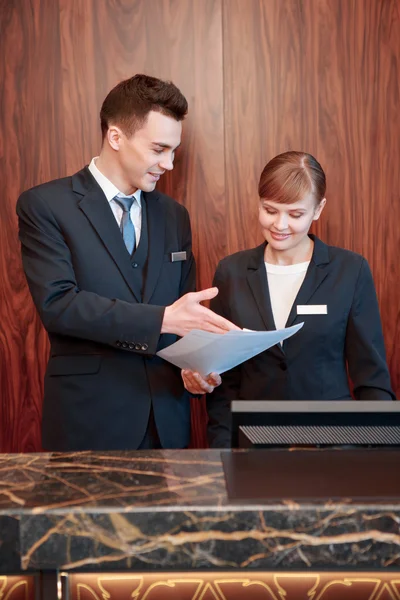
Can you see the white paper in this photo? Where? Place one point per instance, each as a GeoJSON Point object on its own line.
{"type": "Point", "coordinates": [216, 353]}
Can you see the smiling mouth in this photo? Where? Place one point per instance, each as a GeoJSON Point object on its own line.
{"type": "Point", "coordinates": [279, 235]}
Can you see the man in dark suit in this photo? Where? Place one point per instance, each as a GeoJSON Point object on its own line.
{"type": "Point", "coordinates": [110, 268]}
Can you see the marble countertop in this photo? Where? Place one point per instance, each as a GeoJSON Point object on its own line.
{"type": "Point", "coordinates": [163, 510]}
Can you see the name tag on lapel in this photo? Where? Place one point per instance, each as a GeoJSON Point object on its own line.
{"type": "Point", "coordinates": [176, 256]}
{"type": "Point", "coordinates": [312, 309]}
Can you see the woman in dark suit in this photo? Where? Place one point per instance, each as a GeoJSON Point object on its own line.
{"type": "Point", "coordinates": [293, 277]}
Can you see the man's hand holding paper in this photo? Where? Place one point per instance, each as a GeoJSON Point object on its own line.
{"type": "Point", "coordinates": [196, 384]}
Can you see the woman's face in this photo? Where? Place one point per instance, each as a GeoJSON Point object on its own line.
{"type": "Point", "coordinates": [284, 226]}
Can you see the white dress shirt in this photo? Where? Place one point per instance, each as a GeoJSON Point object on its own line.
{"type": "Point", "coordinates": [110, 191]}
{"type": "Point", "coordinates": [284, 282]}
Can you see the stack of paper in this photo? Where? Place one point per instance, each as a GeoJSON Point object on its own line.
{"type": "Point", "coordinates": [216, 353]}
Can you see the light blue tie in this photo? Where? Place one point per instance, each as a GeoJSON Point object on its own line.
{"type": "Point", "coordinates": [127, 227]}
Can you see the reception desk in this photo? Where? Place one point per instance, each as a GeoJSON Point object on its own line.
{"type": "Point", "coordinates": [163, 524]}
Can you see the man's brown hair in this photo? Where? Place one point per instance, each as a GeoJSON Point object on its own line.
{"type": "Point", "coordinates": [128, 104]}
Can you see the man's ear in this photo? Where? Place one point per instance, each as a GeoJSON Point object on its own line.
{"type": "Point", "coordinates": [114, 137]}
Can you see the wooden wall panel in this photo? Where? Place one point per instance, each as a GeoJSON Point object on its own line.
{"type": "Point", "coordinates": [262, 102]}
{"type": "Point", "coordinates": [320, 76]}
{"type": "Point", "coordinates": [357, 45]}
{"type": "Point", "coordinates": [81, 97]}
{"type": "Point", "coordinates": [261, 77]}
{"type": "Point", "coordinates": [30, 154]}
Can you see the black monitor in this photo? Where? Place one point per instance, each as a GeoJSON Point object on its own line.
{"type": "Point", "coordinates": [314, 423]}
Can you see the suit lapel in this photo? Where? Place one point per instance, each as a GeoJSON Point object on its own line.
{"type": "Point", "coordinates": [156, 231]}
{"type": "Point", "coordinates": [97, 210]}
{"type": "Point", "coordinates": [314, 277]}
{"type": "Point", "coordinates": [258, 282]}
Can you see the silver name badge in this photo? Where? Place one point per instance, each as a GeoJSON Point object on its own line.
{"type": "Point", "coordinates": [176, 256]}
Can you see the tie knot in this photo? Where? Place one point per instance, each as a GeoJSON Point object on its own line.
{"type": "Point", "coordinates": [125, 202]}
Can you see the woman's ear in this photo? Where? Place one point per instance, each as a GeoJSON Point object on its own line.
{"type": "Point", "coordinates": [319, 209]}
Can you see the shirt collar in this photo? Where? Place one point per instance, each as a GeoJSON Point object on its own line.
{"type": "Point", "coordinates": [109, 189]}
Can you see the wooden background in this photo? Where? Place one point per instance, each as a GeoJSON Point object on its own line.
{"type": "Point", "coordinates": [261, 77]}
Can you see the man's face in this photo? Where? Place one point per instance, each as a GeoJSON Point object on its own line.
{"type": "Point", "coordinates": [149, 152]}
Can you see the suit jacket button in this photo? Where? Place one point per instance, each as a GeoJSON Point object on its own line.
{"type": "Point", "coordinates": [131, 346]}
{"type": "Point", "coordinates": [138, 346]}
{"type": "Point", "coordinates": [283, 366]}
{"type": "Point", "coordinates": [124, 344]}
{"type": "Point", "coordinates": [118, 343]}
{"type": "Point", "coordinates": [144, 346]}
{"type": "Point", "coordinates": [134, 265]}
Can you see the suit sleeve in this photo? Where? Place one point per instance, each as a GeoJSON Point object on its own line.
{"type": "Point", "coordinates": [218, 402]}
{"type": "Point", "coordinates": [365, 349]}
{"type": "Point", "coordinates": [62, 306]}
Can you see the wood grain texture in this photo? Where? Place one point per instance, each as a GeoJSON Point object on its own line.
{"type": "Point", "coordinates": [30, 154]}
{"type": "Point", "coordinates": [320, 76]}
{"type": "Point", "coordinates": [81, 97]}
{"type": "Point", "coordinates": [262, 103]}
{"type": "Point", "coordinates": [261, 77]}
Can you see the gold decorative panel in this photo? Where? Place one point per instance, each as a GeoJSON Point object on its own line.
{"type": "Point", "coordinates": [234, 586]}
{"type": "Point", "coordinates": [17, 587]}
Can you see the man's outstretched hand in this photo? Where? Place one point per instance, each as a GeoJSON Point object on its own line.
{"type": "Point", "coordinates": [187, 313]}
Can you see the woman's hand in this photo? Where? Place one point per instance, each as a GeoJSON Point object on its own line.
{"type": "Point", "coordinates": [196, 384]}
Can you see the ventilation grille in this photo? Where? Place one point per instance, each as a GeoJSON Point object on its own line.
{"type": "Point", "coordinates": [322, 434]}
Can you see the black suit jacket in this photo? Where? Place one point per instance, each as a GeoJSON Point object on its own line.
{"type": "Point", "coordinates": [312, 364]}
{"type": "Point", "coordinates": [103, 324]}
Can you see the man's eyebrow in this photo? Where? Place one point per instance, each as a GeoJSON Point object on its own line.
{"type": "Point", "coordinates": [162, 145]}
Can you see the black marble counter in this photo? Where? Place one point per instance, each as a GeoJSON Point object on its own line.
{"type": "Point", "coordinates": [163, 510]}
